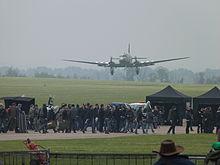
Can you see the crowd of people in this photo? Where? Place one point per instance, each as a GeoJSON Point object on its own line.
{"type": "Point", "coordinates": [101, 118]}
{"type": "Point", "coordinates": [111, 119]}
{"type": "Point", "coordinates": [207, 121]}
{"type": "Point", "coordinates": [72, 118]}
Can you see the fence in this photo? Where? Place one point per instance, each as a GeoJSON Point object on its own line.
{"type": "Point", "coordinates": [26, 158]}
{"type": "Point", "coordinates": [103, 159]}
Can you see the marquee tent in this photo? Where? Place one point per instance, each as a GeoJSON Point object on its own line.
{"type": "Point", "coordinates": [168, 97]}
{"type": "Point", "coordinates": [25, 101]}
{"type": "Point", "coordinates": [210, 98]}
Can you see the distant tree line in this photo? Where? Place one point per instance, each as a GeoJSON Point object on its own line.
{"type": "Point", "coordinates": [159, 74]}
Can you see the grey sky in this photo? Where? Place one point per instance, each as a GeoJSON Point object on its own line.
{"type": "Point", "coordinates": [42, 32]}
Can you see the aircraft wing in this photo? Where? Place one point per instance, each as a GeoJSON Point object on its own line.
{"type": "Point", "coordinates": [148, 63]}
{"type": "Point", "coordinates": [90, 62]}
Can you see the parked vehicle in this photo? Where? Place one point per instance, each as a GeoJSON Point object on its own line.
{"type": "Point", "coordinates": [120, 104]}
{"type": "Point", "coordinates": [143, 105]}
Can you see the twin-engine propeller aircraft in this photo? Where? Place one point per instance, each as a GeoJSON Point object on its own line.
{"type": "Point", "coordinates": [127, 61]}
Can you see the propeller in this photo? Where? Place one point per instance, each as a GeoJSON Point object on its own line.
{"type": "Point", "coordinates": [111, 60]}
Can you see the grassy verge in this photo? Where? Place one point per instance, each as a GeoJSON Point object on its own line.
{"type": "Point", "coordinates": [193, 144]}
{"type": "Point", "coordinates": [82, 91]}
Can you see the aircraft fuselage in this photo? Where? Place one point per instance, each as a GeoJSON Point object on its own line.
{"type": "Point", "coordinates": [126, 60]}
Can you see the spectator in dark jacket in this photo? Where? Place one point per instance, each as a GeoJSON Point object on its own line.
{"type": "Point", "coordinates": [169, 154]}
{"type": "Point", "coordinates": [150, 120]}
{"type": "Point", "coordinates": [217, 120]}
{"type": "Point", "coordinates": [101, 118]}
{"type": "Point", "coordinates": [3, 118]}
{"type": "Point", "coordinates": [43, 118]}
{"type": "Point", "coordinates": [116, 117]}
{"type": "Point", "coordinates": [173, 118]}
{"type": "Point", "coordinates": [73, 114]}
{"type": "Point", "coordinates": [129, 120]}
{"type": "Point", "coordinates": [188, 117]}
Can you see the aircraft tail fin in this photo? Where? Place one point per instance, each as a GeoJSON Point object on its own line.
{"type": "Point", "coordinates": [129, 48]}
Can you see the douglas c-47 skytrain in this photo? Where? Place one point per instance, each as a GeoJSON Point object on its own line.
{"type": "Point", "coordinates": [126, 61]}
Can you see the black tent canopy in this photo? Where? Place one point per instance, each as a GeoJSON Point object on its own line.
{"type": "Point", "coordinates": [210, 98]}
{"type": "Point", "coordinates": [25, 101]}
{"type": "Point", "coordinates": [168, 97]}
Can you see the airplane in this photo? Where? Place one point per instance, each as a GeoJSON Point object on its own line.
{"type": "Point", "coordinates": [126, 60]}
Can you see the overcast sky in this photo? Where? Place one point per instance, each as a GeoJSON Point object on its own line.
{"type": "Point", "coordinates": [42, 32]}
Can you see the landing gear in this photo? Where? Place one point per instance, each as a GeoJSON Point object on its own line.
{"type": "Point", "coordinates": [137, 70]}
{"type": "Point", "coordinates": [112, 70]}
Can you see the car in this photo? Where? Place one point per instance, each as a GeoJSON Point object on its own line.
{"type": "Point", "coordinates": [120, 104]}
{"type": "Point", "coordinates": [135, 106]}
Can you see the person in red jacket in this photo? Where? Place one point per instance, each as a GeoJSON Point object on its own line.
{"type": "Point", "coordinates": [31, 145]}
{"type": "Point", "coordinates": [41, 156]}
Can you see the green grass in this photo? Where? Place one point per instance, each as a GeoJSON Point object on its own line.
{"type": "Point", "coordinates": [193, 143]}
{"type": "Point", "coordinates": [82, 91]}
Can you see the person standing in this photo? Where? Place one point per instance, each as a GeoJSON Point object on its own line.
{"type": "Point", "coordinates": [52, 119]}
{"type": "Point", "coordinates": [2, 118]}
{"type": "Point", "coordinates": [170, 154]}
{"type": "Point", "coordinates": [129, 120]}
{"type": "Point", "coordinates": [36, 118]}
{"type": "Point", "coordinates": [156, 117]}
{"type": "Point", "coordinates": [12, 117]}
{"type": "Point", "coordinates": [208, 120]}
{"type": "Point", "coordinates": [80, 117]}
{"type": "Point", "coordinates": [122, 119]}
{"type": "Point", "coordinates": [64, 123]}
{"type": "Point", "coordinates": [173, 118]}
{"type": "Point", "coordinates": [150, 120]}
{"type": "Point", "coordinates": [87, 112]}
{"type": "Point", "coordinates": [101, 117]}
{"type": "Point", "coordinates": [69, 119]}
{"type": "Point", "coordinates": [74, 115]}
{"type": "Point", "coordinates": [188, 120]}
{"type": "Point", "coordinates": [192, 118]}
{"type": "Point", "coordinates": [217, 120]}
{"type": "Point", "coordinates": [200, 126]}
{"type": "Point", "coordinates": [43, 118]}
{"type": "Point", "coordinates": [93, 116]}
{"type": "Point", "coordinates": [139, 120]}
{"type": "Point", "coordinates": [107, 119]}
{"type": "Point", "coordinates": [31, 117]}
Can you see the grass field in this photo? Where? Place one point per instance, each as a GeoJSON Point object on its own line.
{"type": "Point", "coordinates": [82, 91]}
{"type": "Point", "coordinates": [194, 144]}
